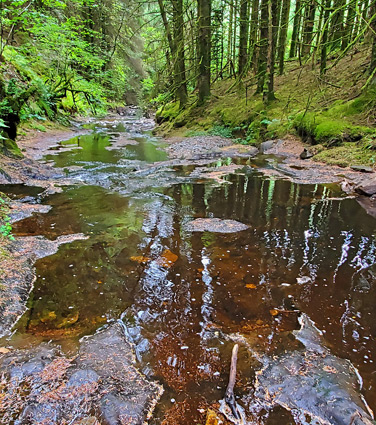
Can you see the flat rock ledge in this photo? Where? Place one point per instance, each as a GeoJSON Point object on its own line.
{"type": "Point", "coordinates": [216, 225]}
{"type": "Point", "coordinates": [100, 385]}
{"type": "Point", "coordinates": [18, 274]}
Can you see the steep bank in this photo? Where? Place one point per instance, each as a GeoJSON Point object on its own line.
{"type": "Point", "coordinates": [335, 113]}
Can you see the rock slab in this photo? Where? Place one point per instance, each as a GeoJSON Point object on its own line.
{"type": "Point", "coordinates": [101, 384]}
{"type": "Point", "coordinates": [216, 225]}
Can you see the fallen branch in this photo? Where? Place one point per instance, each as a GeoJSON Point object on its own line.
{"type": "Point", "coordinates": [229, 407]}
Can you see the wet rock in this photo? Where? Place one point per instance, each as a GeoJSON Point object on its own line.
{"type": "Point", "coordinates": [216, 225]}
{"type": "Point", "coordinates": [51, 389]}
{"type": "Point", "coordinates": [362, 168]}
{"type": "Point", "coordinates": [198, 147]}
{"type": "Point", "coordinates": [239, 151]}
{"type": "Point", "coordinates": [20, 210]}
{"type": "Point", "coordinates": [311, 383]}
{"type": "Point", "coordinates": [367, 190]}
{"type": "Point", "coordinates": [306, 154]}
{"type": "Point", "coordinates": [265, 146]}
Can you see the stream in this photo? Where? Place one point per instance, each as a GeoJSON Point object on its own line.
{"type": "Point", "coordinates": [183, 295]}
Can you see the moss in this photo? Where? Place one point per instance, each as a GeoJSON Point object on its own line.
{"type": "Point", "coordinates": [9, 148]}
{"type": "Point", "coordinates": [167, 112]}
{"type": "Point", "coordinates": [350, 153]}
{"type": "Point", "coordinates": [320, 128]}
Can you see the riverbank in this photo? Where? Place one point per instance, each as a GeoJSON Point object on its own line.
{"type": "Point", "coordinates": [334, 114]}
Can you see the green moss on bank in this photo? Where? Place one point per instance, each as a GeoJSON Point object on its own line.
{"type": "Point", "coordinates": [9, 148]}
{"type": "Point", "coordinates": [333, 111]}
{"type": "Point", "coordinates": [348, 154]}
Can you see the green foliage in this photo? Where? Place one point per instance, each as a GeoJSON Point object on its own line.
{"type": "Point", "coordinates": [5, 225]}
{"type": "Point", "coordinates": [222, 131]}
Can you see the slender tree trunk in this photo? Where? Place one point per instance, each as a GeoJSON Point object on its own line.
{"type": "Point", "coordinates": [309, 22]}
{"type": "Point", "coordinates": [243, 36]}
{"type": "Point", "coordinates": [274, 8]}
{"type": "Point", "coordinates": [283, 34]}
{"type": "Point", "coordinates": [230, 29]}
{"type": "Point", "coordinates": [179, 59]}
{"type": "Point", "coordinates": [372, 66]}
{"type": "Point", "coordinates": [263, 43]}
{"type": "Point", "coordinates": [325, 36]}
{"type": "Point", "coordinates": [296, 29]}
{"type": "Point", "coordinates": [234, 35]}
{"type": "Point", "coordinates": [166, 26]}
{"type": "Point", "coordinates": [349, 26]}
{"type": "Point", "coordinates": [337, 27]}
{"type": "Point", "coordinates": [204, 47]}
{"type": "Point", "coordinates": [253, 33]}
{"type": "Point", "coordinates": [358, 20]}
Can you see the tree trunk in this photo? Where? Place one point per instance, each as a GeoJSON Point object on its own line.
{"type": "Point", "coordinates": [263, 43]}
{"type": "Point", "coordinates": [166, 27]}
{"type": "Point", "coordinates": [372, 66]}
{"type": "Point", "coordinates": [337, 28]}
{"type": "Point", "coordinates": [179, 60]}
{"type": "Point", "coordinates": [296, 29]}
{"type": "Point", "coordinates": [253, 33]}
{"type": "Point", "coordinates": [325, 38]}
{"type": "Point", "coordinates": [230, 27]}
{"type": "Point", "coordinates": [274, 8]}
{"type": "Point", "coordinates": [283, 34]}
{"type": "Point", "coordinates": [204, 46]}
{"type": "Point", "coordinates": [243, 36]}
{"type": "Point", "coordinates": [309, 22]}
{"type": "Point", "coordinates": [349, 26]}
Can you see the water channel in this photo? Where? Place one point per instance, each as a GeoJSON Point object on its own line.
{"type": "Point", "coordinates": [183, 294]}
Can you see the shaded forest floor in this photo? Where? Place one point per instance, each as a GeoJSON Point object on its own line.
{"type": "Point", "coordinates": [332, 112]}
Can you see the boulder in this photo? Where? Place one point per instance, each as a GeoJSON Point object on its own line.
{"type": "Point", "coordinates": [265, 146]}
{"type": "Point", "coordinates": [306, 154]}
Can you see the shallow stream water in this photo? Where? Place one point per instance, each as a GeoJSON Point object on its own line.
{"type": "Point", "coordinates": [182, 295]}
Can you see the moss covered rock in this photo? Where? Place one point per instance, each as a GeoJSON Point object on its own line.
{"type": "Point", "coordinates": [9, 148]}
{"type": "Point", "coordinates": [320, 128]}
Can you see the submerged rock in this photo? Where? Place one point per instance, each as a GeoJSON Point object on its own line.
{"type": "Point", "coordinates": [216, 225]}
{"type": "Point", "coordinates": [43, 386]}
{"type": "Point", "coordinates": [18, 273]}
{"type": "Point", "coordinates": [314, 385]}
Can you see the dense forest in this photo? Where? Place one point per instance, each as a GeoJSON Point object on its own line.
{"type": "Point", "coordinates": [61, 58]}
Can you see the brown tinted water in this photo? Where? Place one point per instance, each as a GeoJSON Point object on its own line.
{"type": "Point", "coordinates": [182, 294]}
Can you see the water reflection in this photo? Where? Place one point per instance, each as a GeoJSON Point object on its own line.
{"type": "Point", "coordinates": [181, 294]}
